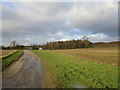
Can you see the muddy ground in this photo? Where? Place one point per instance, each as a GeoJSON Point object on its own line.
{"type": "Point", "coordinates": [27, 72]}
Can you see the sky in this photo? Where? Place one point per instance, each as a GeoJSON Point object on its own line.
{"type": "Point", "coordinates": [40, 22]}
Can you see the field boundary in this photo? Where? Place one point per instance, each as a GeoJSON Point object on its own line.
{"type": "Point", "coordinates": [10, 54]}
{"type": "Point", "coordinates": [15, 56]}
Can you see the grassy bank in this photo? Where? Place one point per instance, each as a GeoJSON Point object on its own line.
{"type": "Point", "coordinates": [8, 60]}
{"type": "Point", "coordinates": [69, 71]}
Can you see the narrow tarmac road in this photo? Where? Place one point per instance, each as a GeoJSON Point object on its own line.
{"type": "Point", "coordinates": [26, 72]}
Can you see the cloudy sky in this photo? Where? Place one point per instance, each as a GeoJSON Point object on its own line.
{"type": "Point", "coordinates": [38, 22]}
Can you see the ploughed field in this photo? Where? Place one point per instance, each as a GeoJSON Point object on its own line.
{"type": "Point", "coordinates": [88, 67]}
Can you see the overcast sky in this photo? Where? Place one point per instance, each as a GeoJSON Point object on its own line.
{"type": "Point", "coordinates": [38, 22]}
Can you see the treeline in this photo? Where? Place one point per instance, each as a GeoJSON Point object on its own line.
{"type": "Point", "coordinates": [20, 47]}
{"type": "Point", "coordinates": [71, 44]}
{"type": "Point", "coordinates": [14, 45]}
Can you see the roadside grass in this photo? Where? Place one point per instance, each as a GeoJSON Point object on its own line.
{"type": "Point", "coordinates": [8, 60]}
{"type": "Point", "coordinates": [69, 71]}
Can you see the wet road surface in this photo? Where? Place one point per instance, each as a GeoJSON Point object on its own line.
{"type": "Point", "coordinates": [24, 73]}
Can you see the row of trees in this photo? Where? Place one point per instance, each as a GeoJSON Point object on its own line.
{"type": "Point", "coordinates": [71, 44]}
{"type": "Point", "coordinates": [15, 45]}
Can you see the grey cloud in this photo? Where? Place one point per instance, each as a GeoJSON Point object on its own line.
{"type": "Point", "coordinates": [41, 22]}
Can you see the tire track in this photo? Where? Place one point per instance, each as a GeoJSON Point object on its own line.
{"type": "Point", "coordinates": [24, 73]}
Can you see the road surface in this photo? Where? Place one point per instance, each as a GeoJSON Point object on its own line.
{"type": "Point", "coordinates": [27, 72]}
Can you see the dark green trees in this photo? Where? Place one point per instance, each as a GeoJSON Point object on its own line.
{"type": "Point", "coordinates": [71, 44]}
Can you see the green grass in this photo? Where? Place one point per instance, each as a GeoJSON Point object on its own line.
{"type": "Point", "coordinates": [8, 60]}
{"type": "Point", "coordinates": [101, 55]}
{"type": "Point", "coordinates": [69, 71]}
{"type": "Point", "coordinates": [7, 53]}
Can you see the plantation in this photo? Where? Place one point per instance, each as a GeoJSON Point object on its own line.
{"type": "Point", "coordinates": [70, 69]}
{"type": "Point", "coordinates": [9, 58]}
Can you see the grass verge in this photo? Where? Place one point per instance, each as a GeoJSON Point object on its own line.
{"type": "Point", "coordinates": [7, 61]}
{"type": "Point", "coordinates": [70, 71]}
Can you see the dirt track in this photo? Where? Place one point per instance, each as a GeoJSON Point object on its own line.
{"type": "Point", "coordinates": [27, 72]}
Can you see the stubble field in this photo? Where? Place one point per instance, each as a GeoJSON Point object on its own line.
{"type": "Point", "coordinates": [89, 67]}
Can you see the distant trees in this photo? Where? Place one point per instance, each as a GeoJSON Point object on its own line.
{"type": "Point", "coordinates": [35, 46]}
{"type": "Point", "coordinates": [12, 44]}
{"type": "Point", "coordinates": [71, 44]}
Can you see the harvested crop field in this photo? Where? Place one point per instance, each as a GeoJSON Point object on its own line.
{"type": "Point", "coordinates": [88, 68]}
{"type": "Point", "coordinates": [99, 54]}
{"type": "Point", "coordinates": [6, 52]}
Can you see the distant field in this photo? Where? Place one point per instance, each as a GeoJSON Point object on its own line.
{"type": "Point", "coordinates": [78, 67]}
{"type": "Point", "coordinates": [107, 55]}
{"type": "Point", "coordinates": [6, 52]}
{"type": "Point", "coordinates": [107, 44]}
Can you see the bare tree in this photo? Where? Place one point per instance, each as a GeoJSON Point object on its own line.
{"type": "Point", "coordinates": [13, 44]}
{"type": "Point", "coordinates": [85, 38]}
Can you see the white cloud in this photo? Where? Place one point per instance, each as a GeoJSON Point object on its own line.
{"type": "Point", "coordinates": [101, 37]}
{"type": "Point", "coordinates": [41, 22]}
{"type": "Point", "coordinates": [60, 1]}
